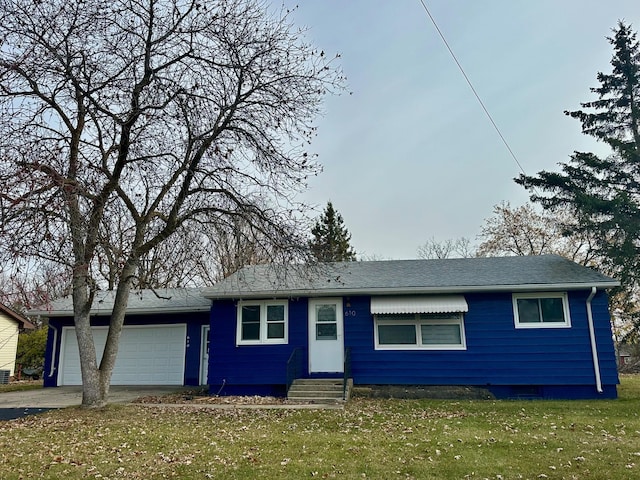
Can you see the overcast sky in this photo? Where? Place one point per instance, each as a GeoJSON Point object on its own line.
{"type": "Point", "coordinates": [411, 155]}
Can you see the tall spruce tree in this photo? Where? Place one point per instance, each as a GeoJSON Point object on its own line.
{"type": "Point", "coordinates": [331, 238]}
{"type": "Point", "coordinates": [604, 192]}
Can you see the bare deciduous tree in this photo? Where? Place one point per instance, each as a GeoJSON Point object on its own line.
{"type": "Point", "coordinates": [525, 231]}
{"type": "Point", "coordinates": [236, 244]}
{"type": "Point", "coordinates": [450, 248]}
{"type": "Point", "coordinates": [205, 254]}
{"type": "Point", "coordinates": [154, 115]}
{"type": "Point", "coordinates": [24, 285]}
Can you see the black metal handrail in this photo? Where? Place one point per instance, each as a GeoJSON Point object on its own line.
{"type": "Point", "coordinates": [294, 366]}
{"type": "Point", "coordinates": [347, 371]}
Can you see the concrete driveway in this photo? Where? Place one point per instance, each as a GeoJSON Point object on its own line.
{"type": "Point", "coordinates": [61, 397]}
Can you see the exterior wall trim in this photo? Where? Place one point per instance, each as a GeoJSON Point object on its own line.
{"type": "Point", "coordinates": [592, 338]}
{"type": "Point", "coordinates": [337, 292]}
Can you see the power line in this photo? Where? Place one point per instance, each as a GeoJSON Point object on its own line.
{"type": "Point", "coordinates": [495, 126]}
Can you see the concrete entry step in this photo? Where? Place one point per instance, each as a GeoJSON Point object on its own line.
{"type": "Point", "coordinates": [316, 390]}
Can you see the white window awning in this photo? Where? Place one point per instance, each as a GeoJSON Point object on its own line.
{"type": "Point", "coordinates": [425, 304]}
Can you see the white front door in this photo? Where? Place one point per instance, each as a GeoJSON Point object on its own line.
{"type": "Point", "coordinates": [204, 356]}
{"type": "Point", "coordinates": [326, 336]}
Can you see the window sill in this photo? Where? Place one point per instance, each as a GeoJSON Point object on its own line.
{"type": "Point", "coordinates": [535, 326]}
{"type": "Point", "coordinates": [421, 348]}
{"type": "Point", "coordinates": [258, 342]}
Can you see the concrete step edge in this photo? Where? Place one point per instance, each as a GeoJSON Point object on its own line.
{"type": "Point", "coordinates": [324, 388]}
{"type": "Point", "coordinates": [320, 381]}
{"type": "Point", "coordinates": [320, 393]}
{"type": "Point", "coordinates": [315, 399]}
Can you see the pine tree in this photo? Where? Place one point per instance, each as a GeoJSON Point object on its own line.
{"type": "Point", "coordinates": [604, 192]}
{"type": "Point", "coordinates": [331, 238]}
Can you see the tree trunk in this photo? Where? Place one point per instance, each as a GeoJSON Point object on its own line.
{"type": "Point", "coordinates": [91, 396]}
{"type": "Point", "coordinates": [96, 379]}
{"type": "Point", "coordinates": [82, 300]}
{"type": "Point", "coordinates": [115, 329]}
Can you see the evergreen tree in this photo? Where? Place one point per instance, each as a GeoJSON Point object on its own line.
{"type": "Point", "coordinates": [604, 192]}
{"type": "Point", "coordinates": [331, 238]}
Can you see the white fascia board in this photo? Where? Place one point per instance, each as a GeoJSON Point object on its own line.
{"type": "Point", "coordinates": [409, 290]}
{"type": "Point", "coordinates": [106, 312]}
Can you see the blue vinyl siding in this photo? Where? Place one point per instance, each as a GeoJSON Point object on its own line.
{"type": "Point", "coordinates": [50, 372]}
{"type": "Point", "coordinates": [498, 356]}
{"type": "Point", "coordinates": [497, 353]}
{"type": "Point", "coordinates": [242, 369]}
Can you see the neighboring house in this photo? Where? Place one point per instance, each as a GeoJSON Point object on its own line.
{"type": "Point", "coordinates": [627, 358]}
{"type": "Point", "coordinates": [517, 326]}
{"type": "Point", "coordinates": [11, 324]}
{"type": "Point", "coordinates": [163, 341]}
{"type": "Point", "coordinates": [624, 356]}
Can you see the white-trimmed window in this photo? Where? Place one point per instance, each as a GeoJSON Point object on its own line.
{"type": "Point", "coordinates": [541, 310]}
{"type": "Point", "coordinates": [420, 331]}
{"type": "Point", "coordinates": [262, 322]}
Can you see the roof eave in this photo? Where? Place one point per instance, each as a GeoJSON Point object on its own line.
{"type": "Point", "coordinates": [330, 292]}
{"type": "Point", "coordinates": [107, 312]}
{"type": "Point", "coordinates": [16, 317]}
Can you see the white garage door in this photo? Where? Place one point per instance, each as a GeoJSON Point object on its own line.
{"type": "Point", "coordinates": [148, 355]}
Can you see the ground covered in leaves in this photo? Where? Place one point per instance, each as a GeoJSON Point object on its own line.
{"type": "Point", "coordinates": [369, 438]}
{"type": "Point", "coordinates": [200, 397]}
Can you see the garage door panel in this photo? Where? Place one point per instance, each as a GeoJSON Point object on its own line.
{"type": "Point", "coordinates": [149, 355]}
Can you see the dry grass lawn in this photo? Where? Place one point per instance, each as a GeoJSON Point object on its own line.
{"type": "Point", "coordinates": [376, 439]}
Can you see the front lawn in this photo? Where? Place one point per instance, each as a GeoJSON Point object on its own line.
{"type": "Point", "coordinates": [20, 386]}
{"type": "Point", "coordinates": [379, 439]}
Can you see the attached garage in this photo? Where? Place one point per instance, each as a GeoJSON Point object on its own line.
{"type": "Point", "coordinates": [147, 355]}
{"type": "Point", "coordinates": [164, 339]}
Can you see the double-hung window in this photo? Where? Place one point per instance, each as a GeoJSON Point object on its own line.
{"type": "Point", "coordinates": [420, 331]}
{"type": "Point", "coordinates": [262, 322]}
{"type": "Point", "coordinates": [541, 310]}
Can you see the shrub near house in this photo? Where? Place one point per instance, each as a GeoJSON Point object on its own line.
{"type": "Point", "coordinates": [31, 351]}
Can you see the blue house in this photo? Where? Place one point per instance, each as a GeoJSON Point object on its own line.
{"type": "Point", "coordinates": [518, 326]}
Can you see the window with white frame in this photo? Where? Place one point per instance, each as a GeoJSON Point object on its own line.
{"type": "Point", "coordinates": [541, 310]}
{"type": "Point", "coordinates": [414, 331]}
{"type": "Point", "coordinates": [262, 322]}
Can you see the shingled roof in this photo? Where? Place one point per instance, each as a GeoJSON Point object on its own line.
{"type": "Point", "coordinates": [517, 273]}
{"type": "Point", "coordinates": [141, 302]}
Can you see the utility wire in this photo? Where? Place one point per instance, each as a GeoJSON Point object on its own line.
{"type": "Point", "coordinates": [506, 144]}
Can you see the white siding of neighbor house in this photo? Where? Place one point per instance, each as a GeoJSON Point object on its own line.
{"type": "Point", "coordinates": [8, 343]}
